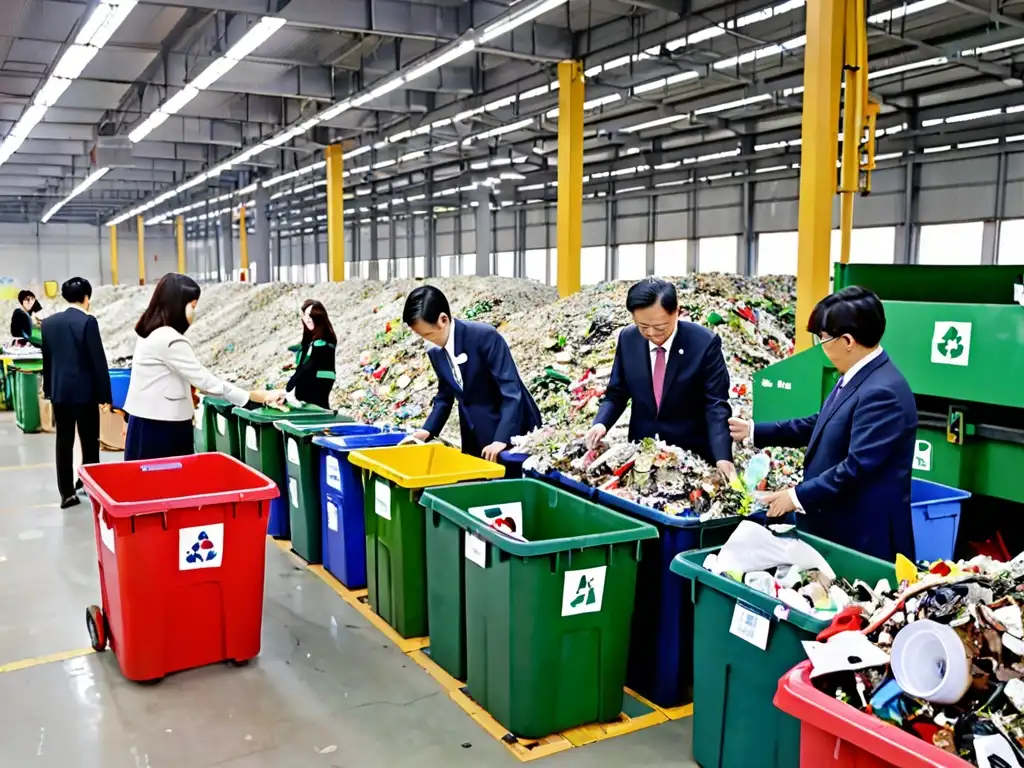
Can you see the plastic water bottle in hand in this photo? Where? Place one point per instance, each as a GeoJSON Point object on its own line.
{"type": "Point", "coordinates": [756, 471]}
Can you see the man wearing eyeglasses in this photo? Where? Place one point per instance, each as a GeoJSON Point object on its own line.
{"type": "Point", "coordinates": [673, 374]}
{"type": "Point", "coordinates": [860, 445]}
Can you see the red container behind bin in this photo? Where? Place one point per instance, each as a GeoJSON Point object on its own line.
{"type": "Point", "coordinates": [835, 735]}
{"type": "Point", "coordinates": [182, 549]}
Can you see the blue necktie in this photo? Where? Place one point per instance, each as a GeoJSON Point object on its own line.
{"type": "Point", "coordinates": [832, 395]}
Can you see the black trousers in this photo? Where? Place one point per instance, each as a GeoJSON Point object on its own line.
{"type": "Point", "coordinates": [68, 418]}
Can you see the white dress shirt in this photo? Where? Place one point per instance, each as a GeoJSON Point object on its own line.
{"type": "Point", "coordinates": [667, 346]}
{"type": "Point", "coordinates": [449, 348]}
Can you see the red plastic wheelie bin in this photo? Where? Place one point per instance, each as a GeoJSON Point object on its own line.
{"type": "Point", "coordinates": [182, 549]}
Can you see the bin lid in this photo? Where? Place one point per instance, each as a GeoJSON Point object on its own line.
{"type": "Point", "coordinates": [28, 366]}
{"type": "Point", "coordinates": [338, 425]}
{"type": "Point", "coordinates": [349, 442]}
{"type": "Point", "coordinates": [582, 523]}
{"type": "Point", "coordinates": [845, 562]}
{"type": "Point", "coordinates": [266, 415]}
{"type": "Point", "coordinates": [221, 406]}
{"type": "Point", "coordinates": [421, 466]}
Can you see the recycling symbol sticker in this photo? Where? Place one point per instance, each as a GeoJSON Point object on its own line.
{"type": "Point", "coordinates": [583, 591]}
{"type": "Point", "coordinates": [951, 343]}
{"type": "Point", "coordinates": [201, 547]}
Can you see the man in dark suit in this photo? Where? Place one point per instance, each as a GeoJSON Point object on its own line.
{"type": "Point", "coordinates": [474, 366]}
{"type": "Point", "coordinates": [860, 445]}
{"type": "Point", "coordinates": [674, 374]}
{"type": "Point", "coordinates": [76, 380]}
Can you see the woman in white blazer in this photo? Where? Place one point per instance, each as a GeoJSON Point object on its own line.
{"type": "Point", "coordinates": [165, 370]}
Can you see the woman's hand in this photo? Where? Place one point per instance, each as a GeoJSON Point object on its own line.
{"type": "Point", "coordinates": [267, 396]}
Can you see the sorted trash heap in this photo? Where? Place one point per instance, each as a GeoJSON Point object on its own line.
{"type": "Point", "coordinates": [940, 656]}
{"type": "Point", "coordinates": [654, 474]}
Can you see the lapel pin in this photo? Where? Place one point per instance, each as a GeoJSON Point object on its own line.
{"type": "Point", "coordinates": [460, 359]}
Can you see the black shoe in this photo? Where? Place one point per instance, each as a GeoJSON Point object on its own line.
{"type": "Point", "coordinates": [70, 501]}
{"type": "Point", "coordinates": [79, 487]}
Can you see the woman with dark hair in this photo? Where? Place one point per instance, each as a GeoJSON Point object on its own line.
{"type": "Point", "coordinates": [314, 362]}
{"type": "Point", "coordinates": [165, 370]}
{"type": "Point", "coordinates": [23, 321]}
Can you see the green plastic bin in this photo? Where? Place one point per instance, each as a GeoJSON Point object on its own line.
{"type": "Point", "coordinates": [302, 476]}
{"type": "Point", "coordinates": [396, 568]}
{"type": "Point", "coordinates": [547, 620]}
{"type": "Point", "coordinates": [204, 427]}
{"type": "Point", "coordinates": [734, 679]}
{"type": "Point", "coordinates": [262, 448]}
{"type": "Point", "coordinates": [225, 426]}
{"type": "Point", "coordinates": [26, 396]}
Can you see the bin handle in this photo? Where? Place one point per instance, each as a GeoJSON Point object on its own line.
{"type": "Point", "coordinates": [161, 467]}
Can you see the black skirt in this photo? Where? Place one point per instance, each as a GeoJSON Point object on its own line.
{"type": "Point", "coordinates": [148, 439]}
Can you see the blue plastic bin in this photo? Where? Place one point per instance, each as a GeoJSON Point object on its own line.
{"type": "Point", "coordinates": [119, 381]}
{"type": "Point", "coordinates": [341, 490]}
{"type": "Point", "coordinates": [935, 511]}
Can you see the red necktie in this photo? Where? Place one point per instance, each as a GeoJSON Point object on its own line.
{"type": "Point", "coordinates": [659, 374]}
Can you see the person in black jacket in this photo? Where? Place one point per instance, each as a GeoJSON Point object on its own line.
{"type": "Point", "coordinates": [21, 320]}
{"type": "Point", "coordinates": [314, 374]}
{"type": "Point", "coordinates": [76, 380]}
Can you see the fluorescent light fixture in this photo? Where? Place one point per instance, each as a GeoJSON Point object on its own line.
{"type": "Point", "coordinates": [899, 70]}
{"type": "Point", "coordinates": [75, 59]}
{"type": "Point", "coordinates": [733, 104]}
{"type": "Point", "coordinates": [507, 24]}
{"type": "Point", "coordinates": [179, 100]}
{"type": "Point", "coordinates": [974, 115]}
{"type": "Point", "coordinates": [904, 10]}
{"type": "Point", "coordinates": [930, 150]}
{"type": "Point", "coordinates": [29, 119]}
{"type": "Point", "coordinates": [981, 143]}
{"type": "Point", "coordinates": [52, 90]}
{"type": "Point", "coordinates": [147, 126]}
{"type": "Point", "coordinates": [119, 12]}
{"type": "Point", "coordinates": [446, 57]}
{"type": "Point", "coordinates": [888, 156]}
{"type": "Point", "coordinates": [655, 123]}
{"type": "Point", "coordinates": [214, 72]}
{"type": "Point", "coordinates": [91, 179]}
{"type": "Point", "coordinates": [256, 36]}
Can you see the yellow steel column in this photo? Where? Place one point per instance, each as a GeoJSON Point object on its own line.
{"type": "Point", "coordinates": [179, 225]}
{"type": "Point", "coordinates": [855, 103]}
{"type": "Point", "coordinates": [113, 255]}
{"type": "Point", "coordinates": [823, 61]}
{"type": "Point", "coordinates": [140, 226]}
{"type": "Point", "coordinates": [570, 175]}
{"type": "Point", "coordinates": [243, 245]}
{"type": "Point", "coordinates": [335, 214]}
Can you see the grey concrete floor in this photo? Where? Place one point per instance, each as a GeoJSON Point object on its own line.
{"type": "Point", "coordinates": [327, 690]}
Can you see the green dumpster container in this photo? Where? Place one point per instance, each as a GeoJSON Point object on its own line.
{"type": "Point", "coordinates": [547, 619]}
{"type": "Point", "coordinates": [302, 476]}
{"type": "Point", "coordinates": [204, 427]}
{"type": "Point", "coordinates": [734, 678]}
{"type": "Point", "coordinates": [262, 448]}
{"type": "Point", "coordinates": [26, 396]}
{"type": "Point", "coordinates": [225, 426]}
{"type": "Point", "coordinates": [393, 479]}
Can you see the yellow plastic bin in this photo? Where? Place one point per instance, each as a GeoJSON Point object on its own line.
{"type": "Point", "coordinates": [396, 552]}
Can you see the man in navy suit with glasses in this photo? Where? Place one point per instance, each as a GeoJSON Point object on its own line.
{"type": "Point", "coordinates": [860, 445]}
{"type": "Point", "coordinates": [673, 375]}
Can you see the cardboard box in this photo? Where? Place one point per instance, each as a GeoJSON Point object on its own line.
{"type": "Point", "coordinates": [112, 430]}
{"type": "Point", "coordinates": [47, 424]}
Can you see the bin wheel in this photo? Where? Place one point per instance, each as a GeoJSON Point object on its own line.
{"type": "Point", "coordinates": [96, 623]}
{"type": "Point", "coordinates": [243, 663]}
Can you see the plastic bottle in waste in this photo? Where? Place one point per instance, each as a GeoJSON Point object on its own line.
{"type": "Point", "coordinates": [756, 471]}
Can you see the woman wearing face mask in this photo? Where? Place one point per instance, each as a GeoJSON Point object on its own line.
{"type": "Point", "coordinates": [164, 372]}
{"type": "Point", "coordinates": [314, 363]}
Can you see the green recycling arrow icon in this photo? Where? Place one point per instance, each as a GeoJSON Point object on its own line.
{"type": "Point", "coordinates": [951, 345]}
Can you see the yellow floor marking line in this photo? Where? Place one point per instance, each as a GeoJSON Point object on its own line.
{"type": "Point", "coordinates": [38, 661]}
{"type": "Point", "coordinates": [525, 750]}
{"type": "Point", "coordinates": [15, 467]}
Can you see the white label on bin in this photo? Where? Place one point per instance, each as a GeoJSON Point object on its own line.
{"type": "Point", "coordinates": [332, 516]}
{"type": "Point", "coordinates": [507, 517]}
{"type": "Point", "coordinates": [583, 591]}
{"type": "Point", "coordinates": [201, 546]}
{"type": "Point", "coordinates": [293, 451]}
{"type": "Point", "coordinates": [951, 343]}
{"type": "Point", "coordinates": [106, 534]}
{"type": "Point", "coordinates": [476, 549]}
{"type": "Point", "coordinates": [197, 416]}
{"type": "Point", "coordinates": [293, 492]}
{"type": "Point", "coordinates": [222, 425]}
{"type": "Point", "coordinates": [750, 625]}
{"type": "Point", "coordinates": [333, 473]}
{"type": "Point", "coordinates": [923, 456]}
{"type": "Point", "coordinates": [250, 439]}
{"type": "Point", "coordinates": [382, 499]}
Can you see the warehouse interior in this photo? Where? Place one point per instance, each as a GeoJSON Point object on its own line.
{"type": "Point", "coordinates": [291, 145]}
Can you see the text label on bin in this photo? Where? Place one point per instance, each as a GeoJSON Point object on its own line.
{"type": "Point", "coordinates": [476, 549]}
{"type": "Point", "coordinates": [332, 516]}
{"type": "Point", "coordinates": [333, 473]}
{"type": "Point", "coordinates": [293, 451]}
{"type": "Point", "coordinates": [201, 546]}
{"type": "Point", "coordinates": [583, 591]}
{"type": "Point", "coordinates": [382, 499]}
{"type": "Point", "coordinates": [751, 625]}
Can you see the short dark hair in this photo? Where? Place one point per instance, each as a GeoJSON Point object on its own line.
{"type": "Point", "coordinates": [425, 303]}
{"type": "Point", "coordinates": [855, 311]}
{"type": "Point", "coordinates": [23, 295]}
{"type": "Point", "coordinates": [166, 307]}
{"type": "Point", "coordinates": [76, 290]}
{"type": "Point", "coordinates": [650, 290]}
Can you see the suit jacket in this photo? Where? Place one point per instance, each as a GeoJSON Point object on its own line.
{"type": "Point", "coordinates": [860, 450]}
{"type": "Point", "coordinates": [695, 410]}
{"type": "Point", "coordinates": [494, 404]}
{"type": "Point", "coordinates": [74, 365]}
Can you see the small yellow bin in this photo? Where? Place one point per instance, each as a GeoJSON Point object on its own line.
{"type": "Point", "coordinates": [396, 525]}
